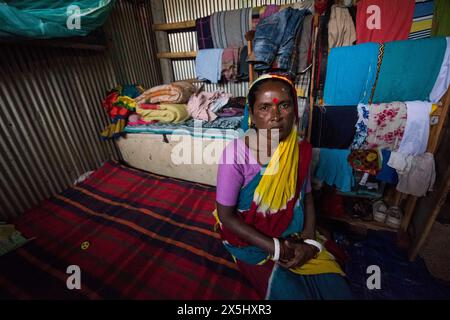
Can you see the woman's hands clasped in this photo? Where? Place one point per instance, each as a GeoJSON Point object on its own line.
{"type": "Point", "coordinates": [295, 253]}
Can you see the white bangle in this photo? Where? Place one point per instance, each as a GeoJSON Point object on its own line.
{"type": "Point", "coordinates": [314, 243]}
{"type": "Point", "coordinates": [276, 251]}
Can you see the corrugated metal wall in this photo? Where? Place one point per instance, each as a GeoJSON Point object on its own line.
{"type": "Point", "coordinates": [50, 106]}
{"type": "Point", "coordinates": [182, 10]}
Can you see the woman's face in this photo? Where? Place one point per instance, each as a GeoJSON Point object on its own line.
{"type": "Point", "coordinates": [273, 108]}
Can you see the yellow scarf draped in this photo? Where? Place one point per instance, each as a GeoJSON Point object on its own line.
{"type": "Point", "coordinates": [279, 181]}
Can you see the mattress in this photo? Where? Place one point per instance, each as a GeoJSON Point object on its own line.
{"type": "Point", "coordinates": [133, 235]}
{"type": "Point", "coordinates": [177, 154]}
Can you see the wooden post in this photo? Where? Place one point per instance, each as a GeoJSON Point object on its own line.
{"type": "Point", "coordinates": [162, 41]}
{"type": "Point", "coordinates": [441, 196]}
{"type": "Point", "coordinates": [249, 35]}
{"type": "Point", "coordinates": [313, 70]}
{"type": "Point", "coordinates": [433, 144]}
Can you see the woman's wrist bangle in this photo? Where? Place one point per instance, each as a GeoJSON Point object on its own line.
{"type": "Point", "coordinates": [314, 243]}
{"type": "Point", "coordinates": [276, 251]}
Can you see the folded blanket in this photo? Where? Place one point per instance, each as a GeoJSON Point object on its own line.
{"type": "Point", "coordinates": [176, 92]}
{"type": "Point", "coordinates": [165, 113]}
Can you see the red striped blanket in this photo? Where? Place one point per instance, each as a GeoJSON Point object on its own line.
{"type": "Point", "coordinates": [134, 235]}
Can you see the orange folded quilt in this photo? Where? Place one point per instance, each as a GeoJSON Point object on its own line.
{"type": "Point", "coordinates": [177, 92]}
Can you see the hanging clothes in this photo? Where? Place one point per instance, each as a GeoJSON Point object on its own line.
{"type": "Point", "coordinates": [321, 57]}
{"type": "Point", "coordinates": [420, 177]}
{"type": "Point", "coordinates": [228, 28]}
{"type": "Point", "coordinates": [409, 69]}
{"type": "Point", "coordinates": [400, 162]}
{"type": "Point", "coordinates": [305, 44]}
{"type": "Point", "coordinates": [259, 13]}
{"type": "Point", "coordinates": [368, 161]}
{"type": "Point", "coordinates": [230, 63]}
{"type": "Point", "coordinates": [303, 5]}
{"type": "Point", "coordinates": [443, 78]}
{"type": "Point", "coordinates": [422, 20]}
{"type": "Point", "coordinates": [204, 36]}
{"type": "Point", "coordinates": [351, 74]}
{"type": "Point", "coordinates": [208, 64]}
{"type": "Point", "coordinates": [386, 125]}
{"type": "Point", "coordinates": [417, 129]}
{"type": "Point", "coordinates": [341, 30]}
{"type": "Point", "coordinates": [333, 127]}
{"type": "Point", "coordinates": [334, 169]}
{"type": "Point", "coordinates": [387, 173]}
{"type": "Point", "coordinates": [361, 126]}
{"type": "Point", "coordinates": [275, 39]}
{"type": "Point", "coordinates": [243, 73]}
{"type": "Point", "coordinates": [383, 20]}
{"type": "Point", "coordinates": [441, 18]}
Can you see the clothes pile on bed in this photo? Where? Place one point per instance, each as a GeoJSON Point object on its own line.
{"type": "Point", "coordinates": [164, 103]}
{"type": "Point", "coordinates": [181, 108]}
{"type": "Point", "coordinates": [119, 103]}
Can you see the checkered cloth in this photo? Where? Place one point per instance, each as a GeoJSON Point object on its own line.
{"type": "Point", "coordinates": [134, 235]}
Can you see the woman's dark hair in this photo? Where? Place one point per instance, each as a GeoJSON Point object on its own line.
{"type": "Point", "coordinates": [254, 89]}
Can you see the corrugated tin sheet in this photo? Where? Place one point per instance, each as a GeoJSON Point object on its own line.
{"type": "Point", "coordinates": [182, 10]}
{"type": "Point", "coordinates": [50, 106]}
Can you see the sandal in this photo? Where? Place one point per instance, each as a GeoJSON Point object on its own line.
{"type": "Point", "coordinates": [379, 211]}
{"type": "Point", "coordinates": [394, 217]}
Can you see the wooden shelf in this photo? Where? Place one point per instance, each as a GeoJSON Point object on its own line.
{"type": "Point", "coordinates": [367, 225]}
{"type": "Point", "coordinates": [95, 41]}
{"type": "Point", "coordinates": [174, 26]}
{"type": "Point", "coordinates": [177, 55]}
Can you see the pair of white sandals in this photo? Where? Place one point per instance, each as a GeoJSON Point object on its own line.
{"type": "Point", "coordinates": [391, 217]}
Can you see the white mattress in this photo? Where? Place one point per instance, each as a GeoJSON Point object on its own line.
{"type": "Point", "coordinates": [180, 156]}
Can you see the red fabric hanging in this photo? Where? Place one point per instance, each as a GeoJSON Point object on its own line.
{"type": "Point", "coordinates": [383, 20]}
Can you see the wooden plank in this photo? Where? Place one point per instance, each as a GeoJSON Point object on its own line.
{"type": "Point", "coordinates": [162, 41]}
{"type": "Point", "coordinates": [435, 131]}
{"type": "Point", "coordinates": [177, 55]}
{"type": "Point", "coordinates": [190, 24]}
{"type": "Point", "coordinates": [85, 43]}
{"type": "Point", "coordinates": [410, 206]}
{"type": "Point", "coordinates": [441, 197]}
{"type": "Point", "coordinates": [367, 225]}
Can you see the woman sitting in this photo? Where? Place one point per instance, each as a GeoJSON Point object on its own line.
{"type": "Point", "coordinates": [264, 205]}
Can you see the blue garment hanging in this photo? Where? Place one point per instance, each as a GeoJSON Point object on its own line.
{"type": "Point", "coordinates": [351, 74]}
{"type": "Point", "coordinates": [409, 69]}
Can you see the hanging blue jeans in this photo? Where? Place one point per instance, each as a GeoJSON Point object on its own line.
{"type": "Point", "coordinates": [275, 38]}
